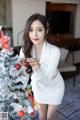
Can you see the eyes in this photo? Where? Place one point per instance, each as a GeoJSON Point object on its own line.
{"type": "Point", "coordinates": [38, 30]}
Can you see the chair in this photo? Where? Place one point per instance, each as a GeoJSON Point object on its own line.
{"type": "Point", "coordinates": [66, 67]}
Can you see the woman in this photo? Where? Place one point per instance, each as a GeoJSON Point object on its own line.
{"type": "Point", "coordinates": [47, 83]}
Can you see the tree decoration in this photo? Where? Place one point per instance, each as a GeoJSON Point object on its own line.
{"type": "Point", "coordinates": [16, 97]}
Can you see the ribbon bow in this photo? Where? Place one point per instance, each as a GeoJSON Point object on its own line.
{"type": "Point", "coordinates": [4, 41]}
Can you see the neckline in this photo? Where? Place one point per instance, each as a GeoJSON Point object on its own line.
{"type": "Point", "coordinates": [42, 52]}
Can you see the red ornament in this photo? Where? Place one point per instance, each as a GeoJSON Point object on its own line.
{"type": "Point", "coordinates": [18, 66]}
{"type": "Point", "coordinates": [31, 99]}
{"type": "Point", "coordinates": [26, 64]}
{"type": "Point", "coordinates": [32, 113]}
{"type": "Point", "coordinates": [21, 113]}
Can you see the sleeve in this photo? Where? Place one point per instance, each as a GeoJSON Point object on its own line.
{"type": "Point", "coordinates": [46, 73]}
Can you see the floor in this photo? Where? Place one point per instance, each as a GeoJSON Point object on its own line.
{"type": "Point", "coordinates": [70, 107]}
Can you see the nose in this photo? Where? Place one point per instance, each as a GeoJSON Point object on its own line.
{"type": "Point", "coordinates": [35, 33]}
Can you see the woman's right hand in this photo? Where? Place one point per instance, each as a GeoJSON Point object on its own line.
{"type": "Point", "coordinates": [24, 62]}
{"type": "Point", "coordinates": [34, 63]}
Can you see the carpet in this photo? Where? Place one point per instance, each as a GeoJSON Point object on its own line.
{"type": "Point", "coordinates": [70, 107]}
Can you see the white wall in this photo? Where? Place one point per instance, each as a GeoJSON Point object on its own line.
{"type": "Point", "coordinates": [8, 13]}
{"type": "Point", "coordinates": [77, 26]}
{"type": "Point", "coordinates": [21, 10]}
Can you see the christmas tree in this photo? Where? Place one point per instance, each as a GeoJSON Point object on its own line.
{"type": "Point", "coordinates": [16, 97]}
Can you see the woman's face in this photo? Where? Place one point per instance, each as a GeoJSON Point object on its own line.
{"type": "Point", "coordinates": [37, 32]}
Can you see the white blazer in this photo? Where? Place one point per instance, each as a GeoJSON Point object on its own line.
{"type": "Point", "coordinates": [47, 79]}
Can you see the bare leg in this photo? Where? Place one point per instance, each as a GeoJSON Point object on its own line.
{"type": "Point", "coordinates": [51, 112]}
{"type": "Point", "coordinates": [43, 112]}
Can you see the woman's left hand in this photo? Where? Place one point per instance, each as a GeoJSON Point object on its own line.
{"type": "Point", "coordinates": [34, 63]}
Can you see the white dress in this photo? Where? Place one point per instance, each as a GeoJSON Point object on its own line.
{"type": "Point", "coordinates": [47, 83]}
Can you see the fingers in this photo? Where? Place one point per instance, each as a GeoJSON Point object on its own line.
{"type": "Point", "coordinates": [32, 60]}
{"type": "Point", "coordinates": [34, 63]}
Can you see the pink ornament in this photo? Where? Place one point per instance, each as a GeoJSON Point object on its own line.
{"type": "Point", "coordinates": [4, 40]}
{"type": "Point", "coordinates": [21, 113]}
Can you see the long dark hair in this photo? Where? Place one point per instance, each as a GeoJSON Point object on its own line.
{"type": "Point", "coordinates": [27, 42]}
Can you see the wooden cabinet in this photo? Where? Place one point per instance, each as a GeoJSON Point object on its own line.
{"type": "Point", "coordinates": [61, 40]}
{"type": "Point", "coordinates": [60, 7]}
{"type": "Point", "coordinates": [62, 37]}
{"type": "Point", "coordinates": [65, 42]}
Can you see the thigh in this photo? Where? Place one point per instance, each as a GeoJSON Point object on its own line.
{"type": "Point", "coordinates": [51, 112]}
{"type": "Point", "coordinates": [42, 111]}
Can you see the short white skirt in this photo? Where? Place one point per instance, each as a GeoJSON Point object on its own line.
{"type": "Point", "coordinates": [50, 95]}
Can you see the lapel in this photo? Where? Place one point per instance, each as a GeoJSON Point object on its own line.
{"type": "Point", "coordinates": [44, 53]}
